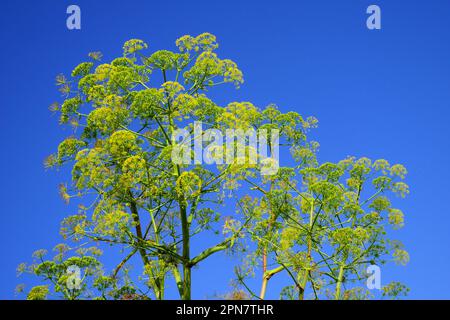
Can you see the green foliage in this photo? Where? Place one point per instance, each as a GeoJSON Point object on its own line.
{"type": "Point", "coordinates": [91, 284]}
{"type": "Point", "coordinates": [38, 293]}
{"type": "Point", "coordinates": [330, 227]}
{"type": "Point", "coordinates": [395, 290]}
{"type": "Point", "coordinates": [321, 224]}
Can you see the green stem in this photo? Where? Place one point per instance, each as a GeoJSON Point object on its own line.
{"type": "Point", "coordinates": [178, 280]}
{"type": "Point", "coordinates": [301, 293]}
{"type": "Point", "coordinates": [205, 254]}
{"type": "Point", "coordinates": [337, 295]}
{"type": "Point", "coordinates": [186, 252]}
{"type": "Point", "coordinates": [267, 275]}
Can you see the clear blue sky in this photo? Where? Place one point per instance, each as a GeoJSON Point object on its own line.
{"type": "Point", "coordinates": [380, 94]}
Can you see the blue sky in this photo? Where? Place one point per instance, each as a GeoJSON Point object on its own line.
{"type": "Point", "coordinates": [381, 94]}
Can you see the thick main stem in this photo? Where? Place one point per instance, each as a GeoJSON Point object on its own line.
{"type": "Point", "coordinates": [264, 254]}
{"type": "Point", "coordinates": [186, 254]}
{"type": "Point", "coordinates": [266, 277]}
{"type": "Point", "coordinates": [301, 290]}
{"type": "Point", "coordinates": [264, 280]}
{"type": "Point", "coordinates": [337, 295]}
{"type": "Point", "coordinates": [262, 294]}
{"type": "Point", "coordinates": [137, 226]}
{"type": "Point", "coordinates": [305, 278]}
{"type": "Point", "coordinates": [140, 237]}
